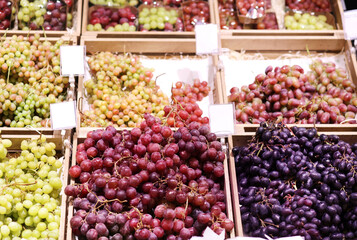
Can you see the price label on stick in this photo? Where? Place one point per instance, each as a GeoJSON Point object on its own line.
{"type": "Point", "coordinates": [63, 115]}
{"type": "Point", "coordinates": [206, 39]}
{"type": "Point", "coordinates": [221, 119]}
{"type": "Point", "coordinates": [72, 60]}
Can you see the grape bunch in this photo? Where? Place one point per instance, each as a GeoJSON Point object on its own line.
{"type": "Point", "coordinates": [6, 14]}
{"type": "Point", "coordinates": [228, 18]}
{"type": "Point", "coordinates": [148, 183]}
{"type": "Point", "coordinates": [269, 22]}
{"type": "Point", "coordinates": [115, 3]}
{"type": "Point", "coordinates": [112, 19]}
{"type": "Point", "coordinates": [323, 95]}
{"type": "Point", "coordinates": [309, 5]}
{"type": "Point", "coordinates": [195, 12]}
{"type": "Point", "coordinates": [253, 8]}
{"type": "Point", "coordinates": [297, 182]}
{"type": "Point", "coordinates": [121, 92]}
{"type": "Point", "coordinates": [184, 108]}
{"type": "Point", "coordinates": [30, 187]}
{"type": "Point", "coordinates": [159, 18]}
{"type": "Point", "coordinates": [306, 21]}
{"type": "Point", "coordinates": [30, 81]}
{"type": "Point", "coordinates": [47, 14]}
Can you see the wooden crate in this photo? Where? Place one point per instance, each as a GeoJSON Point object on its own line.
{"type": "Point", "coordinates": [293, 39]}
{"type": "Point", "coordinates": [151, 48]}
{"type": "Point", "coordinates": [138, 34]}
{"type": "Point", "coordinates": [227, 189]}
{"type": "Point", "coordinates": [277, 50]}
{"type": "Point", "coordinates": [241, 140]}
{"type": "Point", "coordinates": [61, 151]}
{"type": "Point", "coordinates": [297, 39]}
{"type": "Point", "coordinates": [77, 17]}
{"type": "Point", "coordinates": [54, 134]}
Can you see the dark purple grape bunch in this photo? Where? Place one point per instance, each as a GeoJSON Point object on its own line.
{"type": "Point", "coordinates": [56, 15]}
{"type": "Point", "coordinates": [293, 181]}
{"type": "Point", "coordinates": [5, 14]}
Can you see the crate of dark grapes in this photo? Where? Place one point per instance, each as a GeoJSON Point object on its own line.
{"type": "Point", "coordinates": [33, 171]}
{"type": "Point", "coordinates": [314, 89]}
{"type": "Point", "coordinates": [294, 181]}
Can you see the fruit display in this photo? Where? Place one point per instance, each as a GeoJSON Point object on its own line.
{"type": "Point", "coordinates": [228, 19]}
{"type": "Point", "coordinates": [112, 19]}
{"type": "Point", "coordinates": [306, 21]}
{"type": "Point", "coordinates": [309, 5]}
{"type": "Point", "coordinates": [294, 181]}
{"type": "Point", "coordinates": [7, 10]}
{"type": "Point", "coordinates": [30, 81]}
{"type": "Point", "coordinates": [30, 183]}
{"type": "Point", "coordinates": [159, 18]}
{"type": "Point", "coordinates": [184, 108]}
{"type": "Point", "coordinates": [148, 183]}
{"type": "Point", "coordinates": [195, 12]}
{"type": "Point", "coordinates": [269, 22]}
{"type": "Point", "coordinates": [38, 15]}
{"type": "Point", "coordinates": [120, 93]}
{"type": "Point", "coordinates": [251, 8]}
{"type": "Point", "coordinates": [325, 94]}
{"type": "Point", "coordinates": [115, 3]}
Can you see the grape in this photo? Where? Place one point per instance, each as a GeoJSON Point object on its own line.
{"type": "Point", "coordinates": [306, 21]}
{"type": "Point", "coordinates": [6, 11]}
{"type": "Point", "coordinates": [116, 3]}
{"type": "Point", "coordinates": [193, 13]}
{"type": "Point", "coordinates": [136, 94]}
{"type": "Point", "coordinates": [152, 18]}
{"type": "Point", "coordinates": [112, 19]}
{"type": "Point", "coordinates": [252, 8]}
{"type": "Point", "coordinates": [311, 6]}
{"type": "Point", "coordinates": [25, 207]}
{"type": "Point", "coordinates": [323, 95]}
{"type": "Point", "coordinates": [153, 196]}
{"type": "Point", "coordinates": [296, 186]}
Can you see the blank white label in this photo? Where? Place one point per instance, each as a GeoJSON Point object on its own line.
{"type": "Point", "coordinates": [350, 22]}
{"type": "Point", "coordinates": [221, 118]}
{"type": "Point", "coordinates": [63, 115]}
{"type": "Point", "coordinates": [206, 39]}
{"type": "Point", "coordinates": [72, 60]}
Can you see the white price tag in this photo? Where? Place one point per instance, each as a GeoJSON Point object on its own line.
{"type": "Point", "coordinates": [221, 119]}
{"type": "Point", "coordinates": [206, 39]}
{"type": "Point", "coordinates": [349, 24]}
{"type": "Point", "coordinates": [63, 115]}
{"type": "Point", "coordinates": [72, 60]}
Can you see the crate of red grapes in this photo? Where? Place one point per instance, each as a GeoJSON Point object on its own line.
{"type": "Point", "coordinates": [309, 5]}
{"type": "Point", "coordinates": [143, 184]}
{"type": "Point", "coordinates": [252, 11]}
{"type": "Point", "coordinates": [294, 181]}
{"type": "Point", "coordinates": [316, 89]}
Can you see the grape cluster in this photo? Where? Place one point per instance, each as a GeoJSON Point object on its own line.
{"type": "Point", "coordinates": [159, 18]}
{"type": "Point", "coordinates": [323, 95]}
{"type": "Point", "coordinates": [148, 183]}
{"type": "Point", "coordinates": [309, 5]}
{"type": "Point", "coordinates": [121, 91]}
{"type": "Point", "coordinates": [6, 14]}
{"type": "Point", "coordinates": [296, 182]}
{"type": "Point", "coordinates": [184, 108]}
{"type": "Point", "coordinates": [30, 81]}
{"type": "Point", "coordinates": [115, 3]}
{"type": "Point", "coordinates": [49, 14]}
{"type": "Point", "coordinates": [306, 21]}
{"type": "Point", "coordinates": [228, 15]}
{"type": "Point", "coordinates": [112, 19]}
{"type": "Point", "coordinates": [195, 12]}
{"type": "Point", "coordinates": [269, 22]}
{"type": "Point", "coordinates": [30, 187]}
{"type": "Point", "coordinates": [251, 7]}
